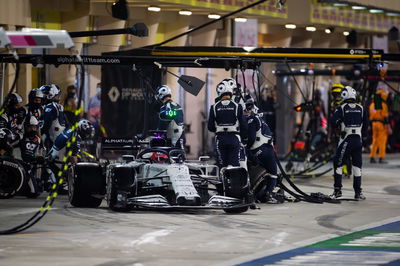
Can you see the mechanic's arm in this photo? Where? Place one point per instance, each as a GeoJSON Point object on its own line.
{"type": "Point", "coordinates": [60, 142]}
{"type": "Point", "coordinates": [243, 125]}
{"type": "Point", "coordinates": [48, 117]}
{"type": "Point", "coordinates": [252, 130]}
{"type": "Point", "coordinates": [336, 117]}
{"type": "Point", "coordinates": [385, 113]}
{"type": "Point", "coordinates": [3, 121]}
{"type": "Point", "coordinates": [211, 120]}
{"type": "Point", "coordinates": [365, 123]}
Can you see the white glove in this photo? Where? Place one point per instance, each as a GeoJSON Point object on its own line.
{"type": "Point", "coordinates": [53, 153]}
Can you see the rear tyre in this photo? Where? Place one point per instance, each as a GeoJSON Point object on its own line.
{"type": "Point", "coordinates": [12, 178]}
{"type": "Point", "coordinates": [86, 185]}
{"type": "Point", "coordinates": [236, 185]}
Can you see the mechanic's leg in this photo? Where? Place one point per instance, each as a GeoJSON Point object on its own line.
{"type": "Point", "coordinates": [340, 157]}
{"type": "Point", "coordinates": [243, 157]}
{"type": "Point", "coordinates": [228, 150]}
{"type": "Point", "coordinates": [220, 151]}
{"type": "Point", "coordinates": [375, 139]}
{"type": "Point", "coordinates": [382, 142]}
{"type": "Point", "coordinates": [233, 151]}
{"type": "Point", "coordinates": [180, 144]}
{"type": "Point", "coordinates": [356, 155]}
{"type": "Point", "coordinates": [267, 159]}
{"type": "Point", "coordinates": [32, 183]}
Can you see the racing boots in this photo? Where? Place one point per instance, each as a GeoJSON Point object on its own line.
{"type": "Point", "coordinates": [372, 160]}
{"type": "Point", "coordinates": [271, 199]}
{"type": "Point", "coordinates": [382, 161]}
{"type": "Point", "coordinates": [337, 193]}
{"type": "Point", "coordinates": [359, 196]}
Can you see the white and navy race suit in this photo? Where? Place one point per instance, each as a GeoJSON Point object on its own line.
{"type": "Point", "coordinates": [352, 120]}
{"type": "Point", "coordinates": [226, 119]}
{"type": "Point", "coordinates": [260, 148]}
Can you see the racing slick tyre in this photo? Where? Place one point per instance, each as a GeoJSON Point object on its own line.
{"type": "Point", "coordinates": [86, 185]}
{"type": "Point", "coordinates": [121, 184]}
{"type": "Point", "coordinates": [12, 177]}
{"type": "Point", "coordinates": [236, 185]}
{"type": "Point", "coordinates": [257, 176]}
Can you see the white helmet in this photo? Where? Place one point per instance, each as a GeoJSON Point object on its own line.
{"type": "Point", "coordinates": [162, 92]}
{"type": "Point", "coordinates": [348, 93]}
{"type": "Point", "coordinates": [85, 129]}
{"type": "Point", "coordinates": [224, 87]}
{"type": "Point", "coordinates": [52, 92]}
{"type": "Point", "coordinates": [230, 82]}
{"type": "Point", "coordinates": [33, 121]}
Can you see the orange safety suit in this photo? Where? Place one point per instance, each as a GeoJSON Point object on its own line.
{"type": "Point", "coordinates": [379, 119]}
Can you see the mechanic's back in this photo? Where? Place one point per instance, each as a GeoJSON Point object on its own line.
{"type": "Point", "coordinates": [226, 120]}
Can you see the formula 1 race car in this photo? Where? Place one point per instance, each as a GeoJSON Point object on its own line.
{"type": "Point", "coordinates": [158, 177]}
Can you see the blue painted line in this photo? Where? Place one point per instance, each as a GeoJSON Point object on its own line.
{"type": "Point", "coordinates": [271, 259]}
{"type": "Point", "coordinates": [395, 226]}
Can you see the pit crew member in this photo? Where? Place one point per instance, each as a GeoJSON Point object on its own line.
{"type": "Point", "coordinates": [227, 121]}
{"type": "Point", "coordinates": [54, 121]}
{"type": "Point", "coordinates": [261, 150]}
{"type": "Point", "coordinates": [171, 117]}
{"type": "Point", "coordinates": [350, 117]}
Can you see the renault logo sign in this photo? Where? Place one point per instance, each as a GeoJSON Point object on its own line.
{"type": "Point", "coordinates": [113, 94]}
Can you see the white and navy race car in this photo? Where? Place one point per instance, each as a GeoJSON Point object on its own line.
{"type": "Point", "coordinates": [159, 178]}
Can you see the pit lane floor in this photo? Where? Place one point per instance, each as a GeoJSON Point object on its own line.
{"type": "Point", "coordinates": [75, 236]}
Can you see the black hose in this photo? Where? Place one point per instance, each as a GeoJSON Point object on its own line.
{"type": "Point", "coordinates": [59, 181]}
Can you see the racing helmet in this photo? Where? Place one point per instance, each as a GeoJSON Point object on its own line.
{"type": "Point", "coordinates": [51, 92]}
{"type": "Point", "coordinates": [85, 129]}
{"type": "Point", "coordinates": [35, 98]}
{"type": "Point", "coordinates": [162, 92]}
{"type": "Point", "coordinates": [14, 101]}
{"type": "Point", "coordinates": [231, 82]}
{"type": "Point", "coordinates": [6, 136]}
{"type": "Point", "coordinates": [336, 91]}
{"type": "Point", "coordinates": [33, 121]}
{"type": "Point", "coordinates": [348, 93]}
{"type": "Point", "coordinates": [383, 94]}
{"type": "Point", "coordinates": [31, 126]}
{"type": "Point", "coordinates": [249, 103]}
{"type": "Point", "coordinates": [223, 88]}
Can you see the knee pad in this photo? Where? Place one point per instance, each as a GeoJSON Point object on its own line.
{"type": "Point", "coordinates": [356, 171]}
{"type": "Point", "coordinates": [339, 170]}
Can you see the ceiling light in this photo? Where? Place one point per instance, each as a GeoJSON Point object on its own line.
{"type": "Point", "coordinates": [346, 33]}
{"type": "Point", "coordinates": [358, 7]}
{"type": "Point", "coordinates": [340, 4]}
{"type": "Point", "coordinates": [290, 26]}
{"type": "Point", "coordinates": [392, 14]}
{"type": "Point", "coordinates": [375, 11]}
{"type": "Point", "coordinates": [154, 9]}
{"type": "Point", "coordinates": [328, 31]}
{"type": "Point", "coordinates": [213, 16]}
{"type": "Point", "coordinates": [185, 12]}
{"type": "Point", "coordinates": [240, 19]}
{"type": "Point", "coordinates": [311, 28]}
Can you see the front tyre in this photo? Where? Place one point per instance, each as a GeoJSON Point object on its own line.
{"type": "Point", "coordinates": [86, 185]}
{"type": "Point", "coordinates": [121, 184]}
{"type": "Point", "coordinates": [12, 178]}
